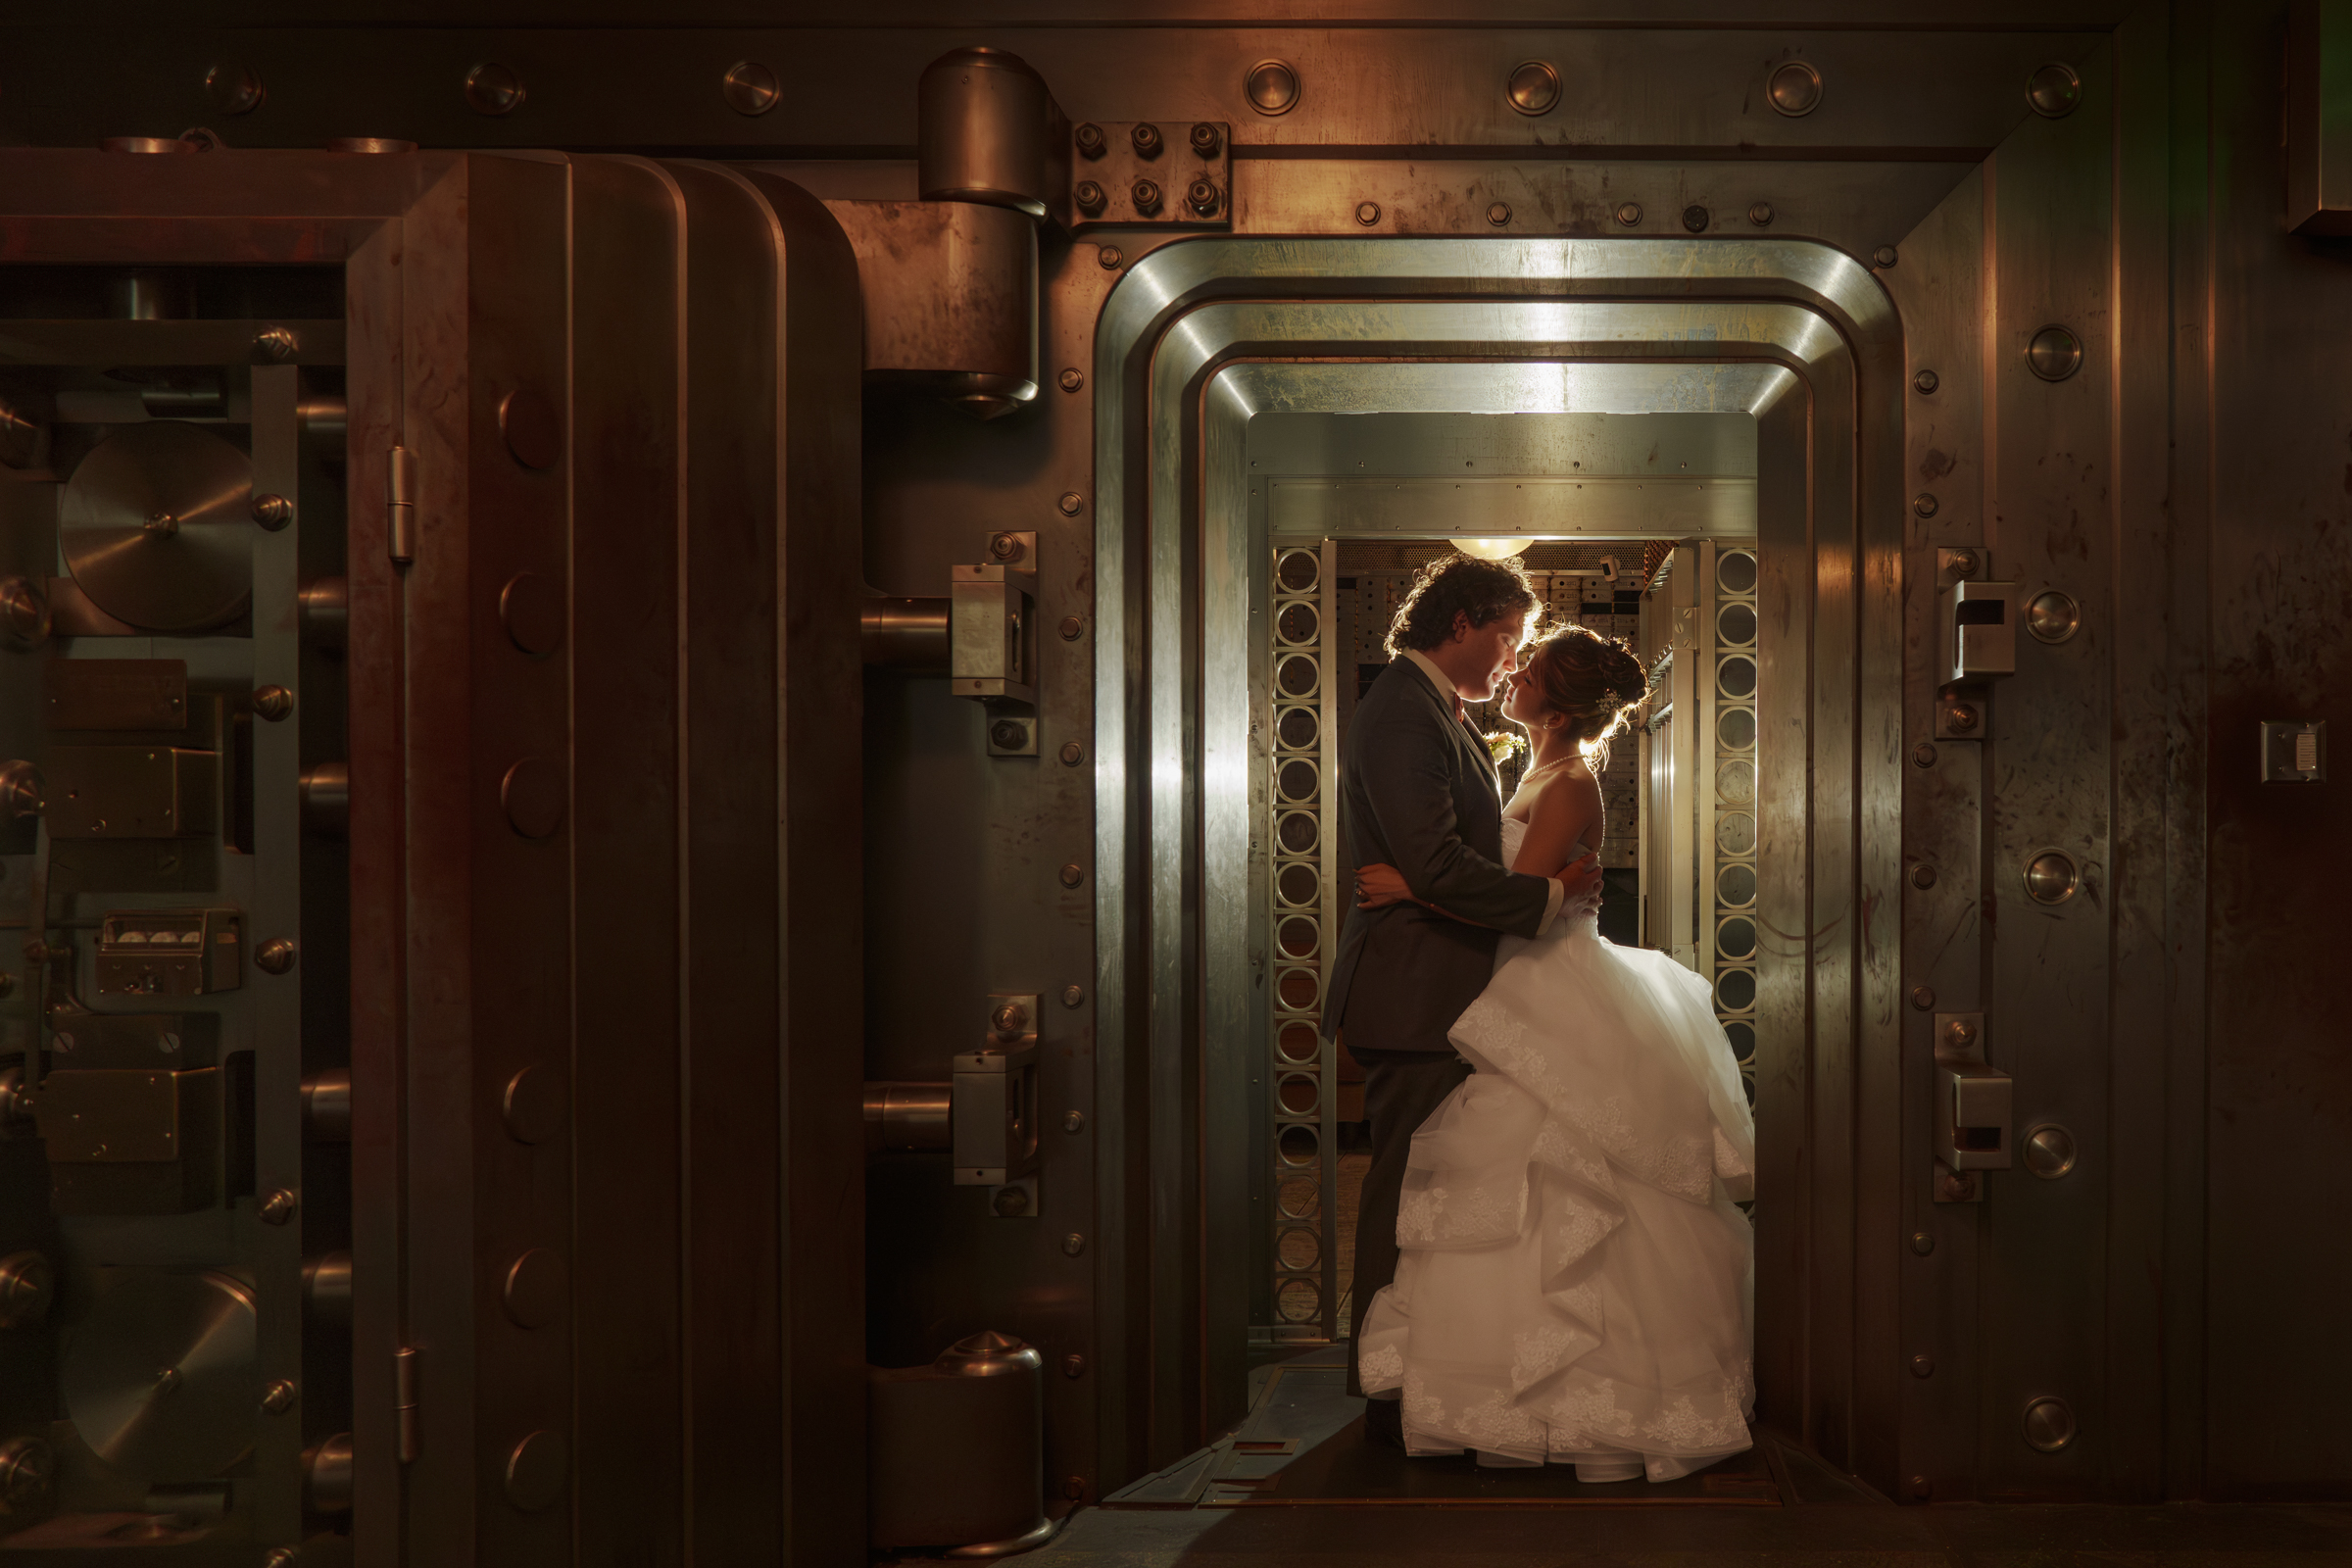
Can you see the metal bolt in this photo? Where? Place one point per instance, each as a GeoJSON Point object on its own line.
{"type": "Point", "coordinates": [1923, 1365]}
{"type": "Point", "coordinates": [2054, 354]}
{"type": "Point", "coordinates": [1072, 501]}
{"type": "Point", "coordinates": [1145, 193]}
{"type": "Point", "coordinates": [1628, 213]}
{"type": "Point", "coordinates": [275, 343]}
{"type": "Point", "coordinates": [1368, 212]}
{"type": "Point", "coordinates": [1075, 1488]}
{"type": "Point", "coordinates": [1922, 755]}
{"type": "Point", "coordinates": [1963, 717]}
{"type": "Point", "coordinates": [491, 89]}
{"type": "Point", "coordinates": [1073, 1365]}
{"type": "Point", "coordinates": [1073, 997]}
{"type": "Point", "coordinates": [1073, 1122]}
{"type": "Point", "coordinates": [2053, 91]}
{"type": "Point", "coordinates": [1010, 1018]}
{"type": "Point", "coordinates": [1011, 1202]}
{"type": "Point", "coordinates": [1072, 379]}
{"type": "Point", "coordinates": [1073, 1244]}
{"type": "Point", "coordinates": [1760, 213]}
{"type": "Point", "coordinates": [1005, 546]}
{"type": "Point", "coordinates": [1884, 255]}
{"type": "Point", "coordinates": [1272, 87]}
{"type": "Point", "coordinates": [1201, 197]}
{"type": "Point", "coordinates": [1926, 382]}
{"type": "Point", "coordinates": [1110, 257]}
{"type": "Point", "coordinates": [279, 1398]}
{"type": "Point", "coordinates": [276, 1208]}
{"type": "Point", "coordinates": [273, 703]}
{"type": "Point", "coordinates": [1922, 1242]}
{"type": "Point", "coordinates": [1695, 219]}
{"type": "Point", "coordinates": [749, 87]}
{"type": "Point", "coordinates": [1006, 733]}
{"type": "Point", "coordinates": [1498, 214]}
{"type": "Point", "coordinates": [1072, 875]}
{"type": "Point", "coordinates": [234, 89]}
{"type": "Point", "coordinates": [1088, 195]}
{"type": "Point", "coordinates": [1206, 140]}
{"type": "Point", "coordinates": [1091, 140]}
{"type": "Point", "coordinates": [1072, 628]}
{"type": "Point", "coordinates": [1533, 88]}
{"type": "Point", "coordinates": [1925, 504]}
{"type": "Point", "coordinates": [1959, 1034]}
{"type": "Point", "coordinates": [1957, 1186]}
{"type": "Point", "coordinates": [1146, 139]}
{"type": "Point", "coordinates": [273, 511]}
{"type": "Point", "coordinates": [1924, 998]}
{"type": "Point", "coordinates": [275, 957]}
{"type": "Point", "coordinates": [1964, 563]}
{"type": "Point", "coordinates": [1072, 754]}
{"type": "Point", "coordinates": [1921, 1489]}
{"type": "Point", "coordinates": [1922, 877]}
{"type": "Point", "coordinates": [1794, 89]}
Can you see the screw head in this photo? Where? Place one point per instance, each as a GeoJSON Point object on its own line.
{"type": "Point", "coordinates": [1111, 258]}
{"type": "Point", "coordinates": [1923, 1365]}
{"type": "Point", "coordinates": [1924, 504]}
{"type": "Point", "coordinates": [1072, 875]}
{"type": "Point", "coordinates": [273, 511]}
{"type": "Point", "coordinates": [1073, 997]}
{"type": "Point", "coordinates": [1964, 563]}
{"type": "Point", "coordinates": [1695, 219]}
{"type": "Point", "coordinates": [1145, 136]}
{"type": "Point", "coordinates": [1073, 1244]}
{"type": "Point", "coordinates": [1963, 717]}
{"type": "Point", "coordinates": [1922, 877]}
{"type": "Point", "coordinates": [278, 1207]}
{"type": "Point", "coordinates": [1010, 1201]}
{"type": "Point", "coordinates": [1005, 546]}
{"type": "Point", "coordinates": [275, 957]}
{"type": "Point", "coordinates": [1088, 195]}
{"type": "Point", "coordinates": [1072, 379]}
{"type": "Point", "coordinates": [273, 703]}
{"type": "Point", "coordinates": [1201, 197]}
{"type": "Point", "coordinates": [1760, 213]}
{"type": "Point", "coordinates": [1010, 1018]}
{"type": "Point", "coordinates": [1498, 214]}
{"type": "Point", "coordinates": [1959, 1034]}
{"type": "Point", "coordinates": [1924, 998]}
{"type": "Point", "coordinates": [1206, 139]}
{"type": "Point", "coordinates": [1145, 193]}
{"type": "Point", "coordinates": [1072, 628]}
{"type": "Point", "coordinates": [1368, 212]}
{"type": "Point", "coordinates": [1924, 754]}
{"type": "Point", "coordinates": [1073, 1365]}
{"type": "Point", "coordinates": [493, 89]}
{"type": "Point", "coordinates": [1070, 502]}
{"type": "Point", "coordinates": [1922, 1242]}
{"type": "Point", "coordinates": [1629, 214]}
{"type": "Point", "coordinates": [275, 344]}
{"type": "Point", "coordinates": [1072, 754]}
{"type": "Point", "coordinates": [1091, 140]}
{"type": "Point", "coordinates": [1926, 382]}
{"type": "Point", "coordinates": [279, 1398]}
{"type": "Point", "coordinates": [1073, 1122]}
{"type": "Point", "coordinates": [1884, 255]}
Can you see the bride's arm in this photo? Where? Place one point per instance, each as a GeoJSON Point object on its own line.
{"type": "Point", "coordinates": [1564, 811]}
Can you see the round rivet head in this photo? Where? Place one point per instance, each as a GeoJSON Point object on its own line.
{"type": "Point", "coordinates": [275, 957]}
{"type": "Point", "coordinates": [1498, 214]}
{"type": "Point", "coordinates": [1072, 754]}
{"type": "Point", "coordinates": [1922, 877]}
{"type": "Point", "coordinates": [1070, 502]}
{"type": "Point", "coordinates": [1922, 1488]}
{"type": "Point", "coordinates": [532, 1105]}
{"type": "Point", "coordinates": [1924, 754]}
{"type": "Point", "coordinates": [1924, 998]}
{"type": "Point", "coordinates": [2054, 90]}
{"type": "Point", "coordinates": [1884, 255]}
{"type": "Point", "coordinates": [1073, 1122]}
{"type": "Point", "coordinates": [1533, 88]}
{"type": "Point", "coordinates": [2049, 1151]}
{"type": "Point", "coordinates": [2049, 1425]}
{"type": "Point", "coordinates": [532, 611]}
{"type": "Point", "coordinates": [2054, 354]}
{"type": "Point", "coordinates": [1073, 997]}
{"type": "Point", "coordinates": [1926, 382]}
{"type": "Point", "coordinates": [532, 796]}
{"type": "Point", "coordinates": [1629, 214]}
{"type": "Point", "coordinates": [276, 1207]}
{"type": "Point", "coordinates": [1272, 87]}
{"type": "Point", "coordinates": [1206, 139]}
{"type": "Point", "coordinates": [1760, 213]}
{"type": "Point", "coordinates": [273, 703]}
{"type": "Point", "coordinates": [2051, 877]}
{"type": "Point", "coordinates": [1925, 504]}
{"type": "Point", "coordinates": [1072, 875]}
{"type": "Point", "coordinates": [537, 1288]}
{"type": "Point", "coordinates": [233, 88]}
{"type": "Point", "coordinates": [1072, 628]}
{"type": "Point", "coordinates": [536, 1470]}
{"type": "Point", "coordinates": [1922, 1242]}
{"type": "Point", "coordinates": [493, 89]}
{"type": "Point", "coordinates": [1794, 89]}
{"type": "Point", "coordinates": [279, 1398]}
{"type": "Point", "coordinates": [1073, 1244]}
{"type": "Point", "coordinates": [1073, 1365]}
{"type": "Point", "coordinates": [2053, 616]}
{"type": "Point", "coordinates": [1011, 1202]}
{"type": "Point", "coordinates": [533, 433]}
{"type": "Point", "coordinates": [749, 87]}
{"type": "Point", "coordinates": [1072, 379]}
{"type": "Point", "coordinates": [273, 511]}
{"type": "Point", "coordinates": [1368, 212]}
{"type": "Point", "coordinates": [1695, 219]}
{"type": "Point", "coordinates": [1923, 1366]}
{"type": "Point", "coordinates": [1111, 258]}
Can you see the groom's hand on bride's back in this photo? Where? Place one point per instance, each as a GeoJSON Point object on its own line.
{"type": "Point", "coordinates": [1580, 882]}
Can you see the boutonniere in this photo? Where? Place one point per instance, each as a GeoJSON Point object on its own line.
{"type": "Point", "coordinates": [1505, 743]}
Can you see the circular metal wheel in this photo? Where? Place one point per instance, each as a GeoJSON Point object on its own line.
{"type": "Point", "coordinates": [158, 527]}
{"type": "Point", "coordinates": [160, 1378]}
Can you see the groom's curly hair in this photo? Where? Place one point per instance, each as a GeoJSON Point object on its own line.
{"type": "Point", "coordinates": [1458, 585]}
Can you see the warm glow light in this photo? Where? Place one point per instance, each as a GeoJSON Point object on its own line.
{"type": "Point", "coordinates": [1491, 549]}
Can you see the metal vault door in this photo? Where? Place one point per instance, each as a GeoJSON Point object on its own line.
{"type": "Point", "coordinates": [1175, 563]}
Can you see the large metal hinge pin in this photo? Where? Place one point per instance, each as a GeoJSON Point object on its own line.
{"type": "Point", "coordinates": [400, 505]}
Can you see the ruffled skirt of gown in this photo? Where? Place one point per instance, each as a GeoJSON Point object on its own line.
{"type": "Point", "coordinates": [1576, 1282]}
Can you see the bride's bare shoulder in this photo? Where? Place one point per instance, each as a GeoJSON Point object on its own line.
{"type": "Point", "coordinates": [1572, 789]}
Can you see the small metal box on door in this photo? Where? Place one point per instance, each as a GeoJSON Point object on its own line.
{"type": "Point", "coordinates": [170, 952]}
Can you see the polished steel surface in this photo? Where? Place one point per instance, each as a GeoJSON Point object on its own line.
{"type": "Point", "coordinates": [159, 1379]}
{"type": "Point", "coordinates": [156, 527]}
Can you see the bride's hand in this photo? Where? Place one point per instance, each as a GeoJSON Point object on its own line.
{"type": "Point", "coordinates": [1378, 886]}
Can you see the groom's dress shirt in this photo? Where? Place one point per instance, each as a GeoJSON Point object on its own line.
{"type": "Point", "coordinates": [1445, 689]}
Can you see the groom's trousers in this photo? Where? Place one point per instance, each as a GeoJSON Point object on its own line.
{"type": "Point", "coordinates": [1402, 1088]}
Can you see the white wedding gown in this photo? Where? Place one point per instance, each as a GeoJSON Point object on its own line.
{"type": "Point", "coordinates": [1576, 1280]}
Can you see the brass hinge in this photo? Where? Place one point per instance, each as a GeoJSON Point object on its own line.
{"type": "Point", "coordinates": [407, 1374]}
{"type": "Point", "coordinates": [400, 509]}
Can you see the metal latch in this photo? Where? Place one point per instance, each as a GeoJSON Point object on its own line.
{"type": "Point", "coordinates": [991, 632]}
{"type": "Point", "coordinates": [1973, 1109]}
{"type": "Point", "coordinates": [994, 1121]}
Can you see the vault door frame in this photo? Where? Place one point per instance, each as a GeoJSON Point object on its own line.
{"type": "Point", "coordinates": [1172, 806]}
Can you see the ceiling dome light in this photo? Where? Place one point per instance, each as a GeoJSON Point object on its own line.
{"type": "Point", "coordinates": [1491, 549]}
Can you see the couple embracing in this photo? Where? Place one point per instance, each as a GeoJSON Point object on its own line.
{"type": "Point", "coordinates": [1550, 1264]}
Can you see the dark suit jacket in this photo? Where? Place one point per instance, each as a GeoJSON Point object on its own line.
{"type": "Point", "coordinates": [1421, 794]}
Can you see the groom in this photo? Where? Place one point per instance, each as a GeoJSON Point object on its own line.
{"type": "Point", "coordinates": [1421, 795]}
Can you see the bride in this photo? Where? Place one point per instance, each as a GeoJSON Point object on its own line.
{"type": "Point", "coordinates": [1576, 1278]}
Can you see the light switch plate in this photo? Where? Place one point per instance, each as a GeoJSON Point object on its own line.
{"type": "Point", "coordinates": [2294, 750]}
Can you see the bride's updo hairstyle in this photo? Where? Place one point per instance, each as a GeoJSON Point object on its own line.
{"type": "Point", "coordinates": [1592, 682]}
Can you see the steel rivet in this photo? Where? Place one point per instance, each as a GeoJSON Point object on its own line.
{"type": "Point", "coordinates": [1072, 501]}
{"type": "Point", "coordinates": [1206, 140]}
{"type": "Point", "coordinates": [1073, 1122]}
{"type": "Point", "coordinates": [1091, 140]}
{"type": "Point", "coordinates": [1885, 256]}
{"type": "Point", "coordinates": [279, 1398]}
{"type": "Point", "coordinates": [1145, 138]}
{"type": "Point", "coordinates": [273, 703]}
{"type": "Point", "coordinates": [1272, 87]}
{"type": "Point", "coordinates": [273, 511]}
{"type": "Point", "coordinates": [1368, 212]}
{"type": "Point", "coordinates": [2053, 91]}
{"type": "Point", "coordinates": [1760, 214]}
{"type": "Point", "coordinates": [1533, 88]}
{"type": "Point", "coordinates": [1922, 755]}
{"type": "Point", "coordinates": [1072, 875]}
{"type": "Point", "coordinates": [2051, 877]}
{"type": "Point", "coordinates": [275, 957]}
{"type": "Point", "coordinates": [1498, 214]}
{"type": "Point", "coordinates": [1089, 196]}
{"type": "Point", "coordinates": [1924, 504]}
{"type": "Point", "coordinates": [1922, 1242]}
{"type": "Point", "coordinates": [1011, 1202]}
{"type": "Point", "coordinates": [1073, 1244]}
{"type": "Point", "coordinates": [2049, 1425]}
{"type": "Point", "coordinates": [277, 344]}
{"type": "Point", "coordinates": [1922, 877]}
{"type": "Point", "coordinates": [1072, 628]}
{"type": "Point", "coordinates": [2049, 1151]}
{"type": "Point", "coordinates": [1073, 1365]}
{"type": "Point", "coordinates": [1110, 257]}
{"type": "Point", "coordinates": [1201, 197]}
{"type": "Point", "coordinates": [1628, 213]}
{"type": "Point", "coordinates": [1075, 1488]}
{"type": "Point", "coordinates": [1073, 997]}
{"type": "Point", "coordinates": [276, 1208]}
{"type": "Point", "coordinates": [1794, 89]}
{"type": "Point", "coordinates": [1921, 1489]}
{"type": "Point", "coordinates": [1926, 382]}
{"type": "Point", "coordinates": [1145, 193]}
{"type": "Point", "coordinates": [1924, 998]}
{"type": "Point", "coordinates": [749, 87]}
{"type": "Point", "coordinates": [1923, 1366]}
{"type": "Point", "coordinates": [2053, 616]}
{"type": "Point", "coordinates": [2054, 354]}
{"type": "Point", "coordinates": [1072, 754]}
{"type": "Point", "coordinates": [1072, 379]}
{"type": "Point", "coordinates": [234, 89]}
{"type": "Point", "coordinates": [491, 89]}
{"type": "Point", "coordinates": [1695, 219]}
